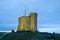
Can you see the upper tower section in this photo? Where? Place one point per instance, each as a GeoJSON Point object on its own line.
{"type": "Point", "coordinates": [33, 18]}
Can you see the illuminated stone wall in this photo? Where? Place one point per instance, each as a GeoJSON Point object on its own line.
{"type": "Point", "coordinates": [28, 22]}
{"type": "Point", "coordinates": [22, 23]}
{"type": "Point", "coordinates": [33, 26]}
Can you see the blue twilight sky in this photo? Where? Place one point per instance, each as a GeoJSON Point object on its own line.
{"type": "Point", "coordinates": [48, 14]}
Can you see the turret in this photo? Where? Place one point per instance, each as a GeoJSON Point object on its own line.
{"type": "Point", "coordinates": [33, 18]}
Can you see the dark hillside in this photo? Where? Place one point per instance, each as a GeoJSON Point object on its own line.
{"type": "Point", "coordinates": [28, 35]}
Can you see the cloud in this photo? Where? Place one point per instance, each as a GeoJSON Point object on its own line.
{"type": "Point", "coordinates": [8, 27]}
{"type": "Point", "coordinates": [51, 30]}
{"type": "Point", "coordinates": [49, 25]}
{"type": "Point", "coordinates": [8, 31]}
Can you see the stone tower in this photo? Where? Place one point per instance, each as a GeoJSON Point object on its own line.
{"type": "Point", "coordinates": [26, 23]}
{"type": "Point", "coordinates": [33, 18]}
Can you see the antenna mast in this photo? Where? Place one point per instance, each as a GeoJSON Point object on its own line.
{"type": "Point", "coordinates": [25, 10]}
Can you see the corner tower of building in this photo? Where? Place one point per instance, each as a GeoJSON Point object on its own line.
{"type": "Point", "coordinates": [33, 22]}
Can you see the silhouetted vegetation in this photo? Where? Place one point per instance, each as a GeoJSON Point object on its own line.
{"type": "Point", "coordinates": [29, 35]}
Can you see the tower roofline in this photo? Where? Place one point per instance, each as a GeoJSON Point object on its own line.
{"type": "Point", "coordinates": [33, 13]}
